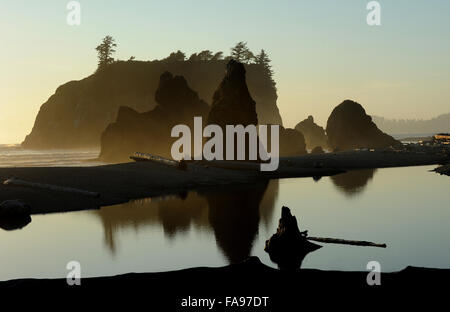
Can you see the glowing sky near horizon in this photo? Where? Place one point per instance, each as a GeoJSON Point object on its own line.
{"type": "Point", "coordinates": [322, 51]}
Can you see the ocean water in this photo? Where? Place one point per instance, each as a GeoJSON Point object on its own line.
{"type": "Point", "coordinates": [13, 155]}
{"type": "Point", "coordinates": [406, 208]}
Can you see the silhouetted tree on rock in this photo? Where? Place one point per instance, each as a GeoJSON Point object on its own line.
{"type": "Point", "coordinates": [105, 51]}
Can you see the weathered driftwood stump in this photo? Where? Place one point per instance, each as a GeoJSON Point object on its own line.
{"type": "Point", "coordinates": [288, 246]}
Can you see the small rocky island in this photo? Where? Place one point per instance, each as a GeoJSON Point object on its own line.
{"type": "Point", "coordinates": [315, 135]}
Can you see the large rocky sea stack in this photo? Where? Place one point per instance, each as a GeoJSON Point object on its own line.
{"type": "Point", "coordinates": [79, 111]}
{"type": "Point", "coordinates": [232, 103]}
{"type": "Point", "coordinates": [349, 127]}
{"type": "Point", "coordinates": [150, 132]}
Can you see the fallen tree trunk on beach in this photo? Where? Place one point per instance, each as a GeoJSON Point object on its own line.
{"type": "Point", "coordinates": [344, 241]}
{"type": "Point", "coordinates": [50, 187]}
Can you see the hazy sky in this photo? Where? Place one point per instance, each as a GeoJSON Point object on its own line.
{"type": "Point", "coordinates": [322, 51]}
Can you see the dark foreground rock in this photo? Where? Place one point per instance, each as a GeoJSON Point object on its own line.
{"type": "Point", "coordinates": [151, 132]}
{"type": "Point", "coordinates": [314, 134]}
{"type": "Point", "coordinates": [14, 214]}
{"type": "Point", "coordinates": [349, 127]}
{"type": "Point", "coordinates": [14, 208]}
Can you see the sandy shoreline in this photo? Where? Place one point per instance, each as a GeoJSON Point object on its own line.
{"type": "Point", "coordinates": [120, 183]}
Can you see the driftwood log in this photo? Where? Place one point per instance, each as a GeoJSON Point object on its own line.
{"type": "Point", "coordinates": [344, 241]}
{"type": "Point", "coordinates": [50, 187]}
{"type": "Point", "coordinates": [182, 165]}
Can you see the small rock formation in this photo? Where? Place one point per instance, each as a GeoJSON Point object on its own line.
{"type": "Point", "coordinates": [317, 150]}
{"type": "Point", "coordinates": [349, 127]}
{"type": "Point", "coordinates": [288, 246]}
{"type": "Point", "coordinates": [292, 143]}
{"type": "Point", "coordinates": [313, 133]}
{"type": "Point", "coordinates": [14, 214]}
{"type": "Point", "coordinates": [150, 132]}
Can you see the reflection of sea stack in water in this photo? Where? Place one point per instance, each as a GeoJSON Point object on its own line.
{"type": "Point", "coordinates": [313, 133]}
{"type": "Point", "coordinates": [151, 132]}
{"type": "Point", "coordinates": [173, 214]}
{"type": "Point", "coordinates": [288, 246]}
{"type": "Point", "coordinates": [354, 181]}
{"type": "Point", "coordinates": [350, 127]}
{"type": "Point", "coordinates": [234, 217]}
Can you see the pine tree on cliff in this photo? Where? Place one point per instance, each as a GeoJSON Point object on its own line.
{"type": "Point", "coordinates": [241, 53]}
{"type": "Point", "coordinates": [263, 60]}
{"type": "Point", "coordinates": [105, 51]}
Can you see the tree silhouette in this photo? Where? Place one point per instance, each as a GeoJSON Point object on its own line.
{"type": "Point", "coordinates": [217, 56]}
{"type": "Point", "coordinates": [239, 51]}
{"type": "Point", "coordinates": [262, 59]}
{"type": "Point", "coordinates": [205, 55]}
{"type": "Point", "coordinates": [105, 50]}
{"type": "Point", "coordinates": [176, 56]}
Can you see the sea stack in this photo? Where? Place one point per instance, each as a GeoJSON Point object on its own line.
{"type": "Point", "coordinates": [349, 127]}
{"type": "Point", "coordinates": [292, 142]}
{"type": "Point", "coordinates": [314, 134]}
{"type": "Point", "coordinates": [150, 132]}
{"type": "Point", "coordinates": [232, 103]}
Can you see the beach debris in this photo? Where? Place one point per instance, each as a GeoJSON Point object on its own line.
{"type": "Point", "coordinates": [182, 165]}
{"type": "Point", "coordinates": [345, 242]}
{"type": "Point", "coordinates": [288, 246]}
{"type": "Point", "coordinates": [56, 188]}
{"type": "Point", "coordinates": [14, 214]}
